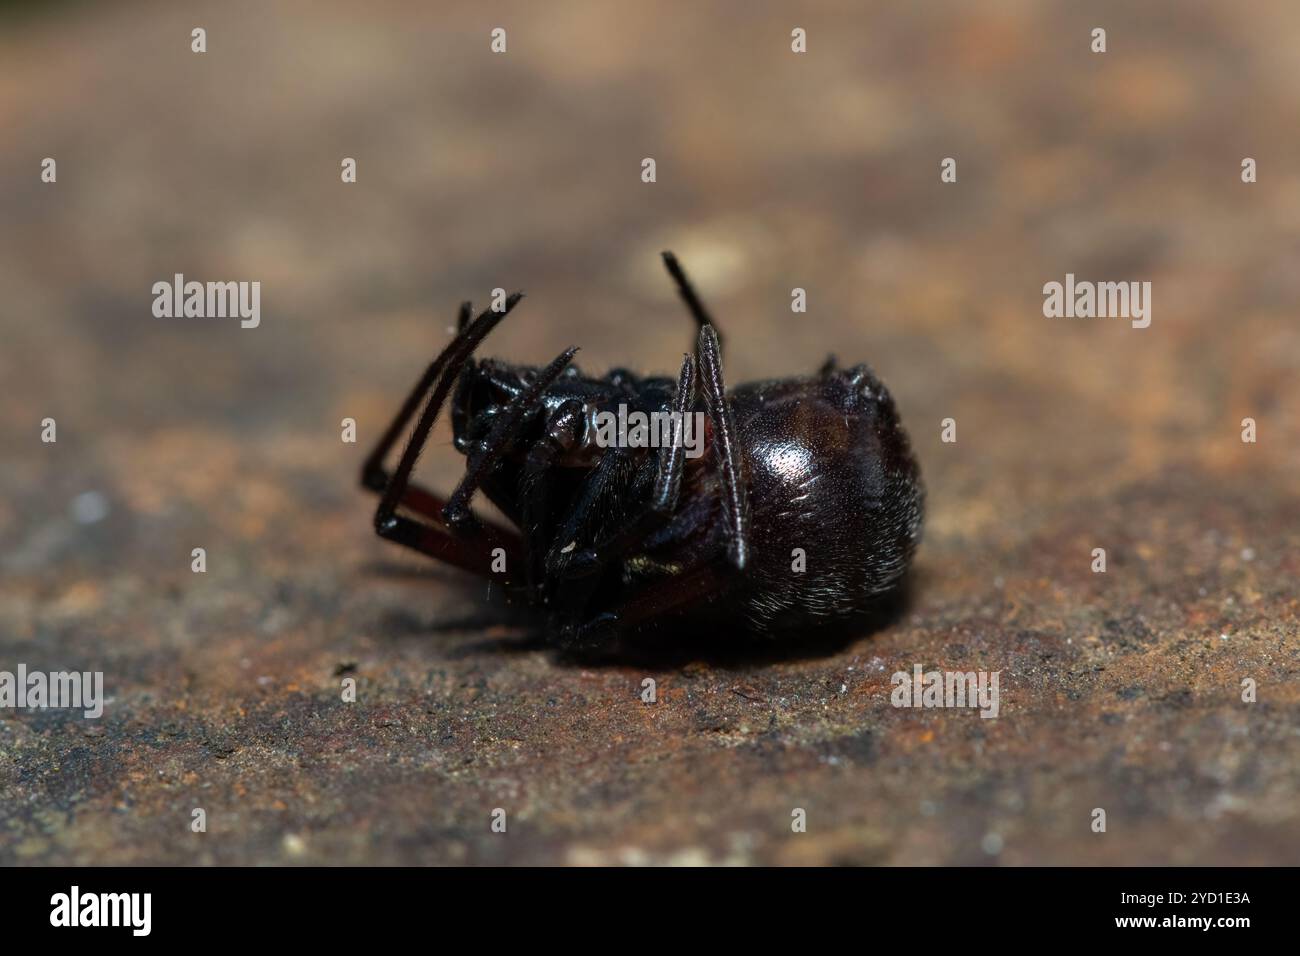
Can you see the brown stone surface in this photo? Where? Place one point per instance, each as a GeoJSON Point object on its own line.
{"type": "Point", "coordinates": [1119, 691]}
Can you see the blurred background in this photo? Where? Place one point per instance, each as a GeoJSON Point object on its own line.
{"type": "Point", "coordinates": [775, 170]}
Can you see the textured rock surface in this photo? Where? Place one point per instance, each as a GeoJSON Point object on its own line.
{"type": "Point", "coordinates": [1119, 691]}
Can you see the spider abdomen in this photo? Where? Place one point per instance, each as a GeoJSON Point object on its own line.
{"type": "Point", "coordinates": [835, 496]}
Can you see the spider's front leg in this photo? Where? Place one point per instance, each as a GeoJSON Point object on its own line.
{"type": "Point", "coordinates": [399, 492]}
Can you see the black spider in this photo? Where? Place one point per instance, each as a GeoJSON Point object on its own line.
{"type": "Point", "coordinates": [806, 506]}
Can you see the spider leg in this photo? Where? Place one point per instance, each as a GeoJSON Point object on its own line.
{"type": "Point", "coordinates": [475, 555]}
{"type": "Point", "coordinates": [829, 367]}
{"type": "Point", "coordinates": [735, 500]}
{"type": "Point", "coordinates": [373, 474]}
{"type": "Point", "coordinates": [654, 601]}
{"type": "Point", "coordinates": [612, 470]}
{"type": "Point", "coordinates": [687, 291]}
{"type": "Point", "coordinates": [505, 430]}
{"type": "Point", "coordinates": [563, 432]}
{"type": "Point", "coordinates": [669, 468]}
{"type": "Point", "coordinates": [672, 464]}
{"type": "Point", "coordinates": [709, 352]}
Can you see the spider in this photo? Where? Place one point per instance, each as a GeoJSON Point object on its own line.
{"type": "Point", "coordinates": [805, 507]}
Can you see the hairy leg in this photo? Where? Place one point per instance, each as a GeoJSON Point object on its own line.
{"type": "Point", "coordinates": [726, 447]}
